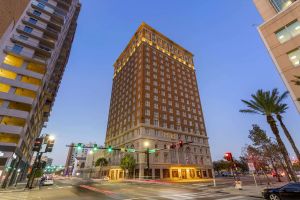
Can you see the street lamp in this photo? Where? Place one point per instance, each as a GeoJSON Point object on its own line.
{"type": "Point", "coordinates": [51, 137]}
{"type": "Point", "coordinates": [92, 153]}
{"type": "Point", "coordinates": [147, 144]}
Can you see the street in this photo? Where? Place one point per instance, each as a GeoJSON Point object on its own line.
{"type": "Point", "coordinates": [79, 189]}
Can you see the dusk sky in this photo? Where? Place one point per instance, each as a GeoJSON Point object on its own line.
{"type": "Point", "coordinates": [231, 63]}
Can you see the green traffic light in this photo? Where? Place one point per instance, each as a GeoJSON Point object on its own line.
{"type": "Point", "coordinates": [110, 149]}
{"type": "Point", "coordinates": [95, 148]}
{"type": "Point", "coordinates": [79, 146]}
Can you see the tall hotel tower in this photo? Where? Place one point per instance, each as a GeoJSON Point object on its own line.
{"type": "Point", "coordinates": [281, 35]}
{"type": "Point", "coordinates": [155, 102]}
{"type": "Point", "coordinates": [36, 38]}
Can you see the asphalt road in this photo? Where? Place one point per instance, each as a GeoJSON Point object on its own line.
{"type": "Point", "coordinates": [84, 190]}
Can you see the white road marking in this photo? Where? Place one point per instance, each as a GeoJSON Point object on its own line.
{"type": "Point", "coordinates": [186, 196]}
{"type": "Point", "coordinates": [232, 198]}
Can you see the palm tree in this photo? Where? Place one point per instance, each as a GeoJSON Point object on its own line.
{"type": "Point", "coordinates": [263, 103]}
{"type": "Point", "coordinates": [280, 108]}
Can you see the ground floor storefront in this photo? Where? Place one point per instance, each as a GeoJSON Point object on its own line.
{"type": "Point", "coordinates": [161, 172]}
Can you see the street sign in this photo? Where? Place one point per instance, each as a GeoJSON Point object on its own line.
{"type": "Point", "coordinates": [131, 150]}
{"type": "Point", "coordinates": [251, 167]}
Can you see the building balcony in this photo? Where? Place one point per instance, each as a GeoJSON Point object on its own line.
{"type": "Point", "coordinates": [16, 98]}
{"type": "Point", "coordinates": [44, 50]}
{"type": "Point", "coordinates": [25, 55]}
{"type": "Point", "coordinates": [10, 129]}
{"type": "Point", "coordinates": [19, 84]}
{"type": "Point", "coordinates": [39, 35]}
{"type": "Point", "coordinates": [44, 18]}
{"type": "Point", "coordinates": [13, 113]}
{"type": "Point", "coordinates": [41, 26]}
{"type": "Point", "coordinates": [22, 71]}
{"type": "Point", "coordinates": [49, 11]}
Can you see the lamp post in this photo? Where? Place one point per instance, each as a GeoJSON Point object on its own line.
{"type": "Point", "coordinates": [92, 153]}
{"type": "Point", "coordinates": [146, 144]}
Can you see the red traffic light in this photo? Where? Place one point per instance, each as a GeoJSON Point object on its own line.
{"type": "Point", "coordinates": [228, 156]}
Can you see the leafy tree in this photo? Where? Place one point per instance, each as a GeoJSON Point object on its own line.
{"type": "Point", "coordinates": [128, 163]}
{"type": "Point", "coordinates": [242, 164]}
{"type": "Point", "coordinates": [101, 162]}
{"type": "Point", "coordinates": [264, 103]}
{"type": "Point", "coordinates": [268, 149]}
{"type": "Point", "coordinates": [221, 165]}
{"type": "Point", "coordinates": [38, 173]}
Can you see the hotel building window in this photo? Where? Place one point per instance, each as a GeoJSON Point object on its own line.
{"type": "Point", "coordinates": [294, 57]}
{"type": "Point", "coordinates": [289, 31]}
{"type": "Point", "coordinates": [281, 4]}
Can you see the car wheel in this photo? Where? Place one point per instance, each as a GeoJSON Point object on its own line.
{"type": "Point", "coordinates": [274, 197]}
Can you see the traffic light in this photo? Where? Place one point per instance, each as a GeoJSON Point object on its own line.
{"type": "Point", "coordinates": [95, 147]}
{"type": "Point", "coordinates": [79, 146]}
{"type": "Point", "coordinates": [173, 146]}
{"type": "Point", "coordinates": [46, 138]}
{"type": "Point", "coordinates": [37, 144]}
{"type": "Point", "coordinates": [109, 149]}
{"type": "Point", "coordinates": [50, 145]}
{"type": "Point", "coordinates": [180, 143]}
{"type": "Point", "coordinates": [228, 156]}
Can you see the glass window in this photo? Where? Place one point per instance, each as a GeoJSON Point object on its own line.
{"type": "Point", "coordinates": [23, 37]}
{"type": "Point", "coordinates": [294, 28]}
{"type": "Point", "coordinates": [28, 29]}
{"type": "Point", "coordinates": [281, 4]}
{"type": "Point", "coordinates": [40, 5]}
{"type": "Point", "coordinates": [32, 20]}
{"type": "Point", "coordinates": [289, 31]}
{"type": "Point", "coordinates": [295, 57]}
{"type": "Point", "coordinates": [37, 13]}
{"type": "Point", "coordinates": [17, 48]}
{"type": "Point", "coordinates": [283, 35]}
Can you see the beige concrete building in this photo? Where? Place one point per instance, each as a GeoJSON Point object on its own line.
{"type": "Point", "coordinates": [36, 38]}
{"type": "Point", "coordinates": [155, 103]}
{"type": "Point", "coordinates": [281, 35]}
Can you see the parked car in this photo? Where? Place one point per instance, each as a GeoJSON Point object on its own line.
{"type": "Point", "coordinates": [286, 192]}
{"type": "Point", "coordinates": [48, 180]}
{"type": "Point", "coordinates": [227, 174]}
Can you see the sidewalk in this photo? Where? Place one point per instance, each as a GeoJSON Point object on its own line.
{"type": "Point", "coordinates": [19, 188]}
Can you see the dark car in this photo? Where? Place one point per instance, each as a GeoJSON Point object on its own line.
{"type": "Point", "coordinates": [286, 192]}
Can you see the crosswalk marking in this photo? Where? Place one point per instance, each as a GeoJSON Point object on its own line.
{"type": "Point", "coordinates": [233, 198]}
{"type": "Point", "coordinates": [199, 195]}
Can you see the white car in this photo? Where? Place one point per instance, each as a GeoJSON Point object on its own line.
{"type": "Point", "coordinates": [48, 181]}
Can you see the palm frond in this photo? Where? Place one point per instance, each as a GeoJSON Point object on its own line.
{"type": "Point", "coordinates": [249, 111]}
